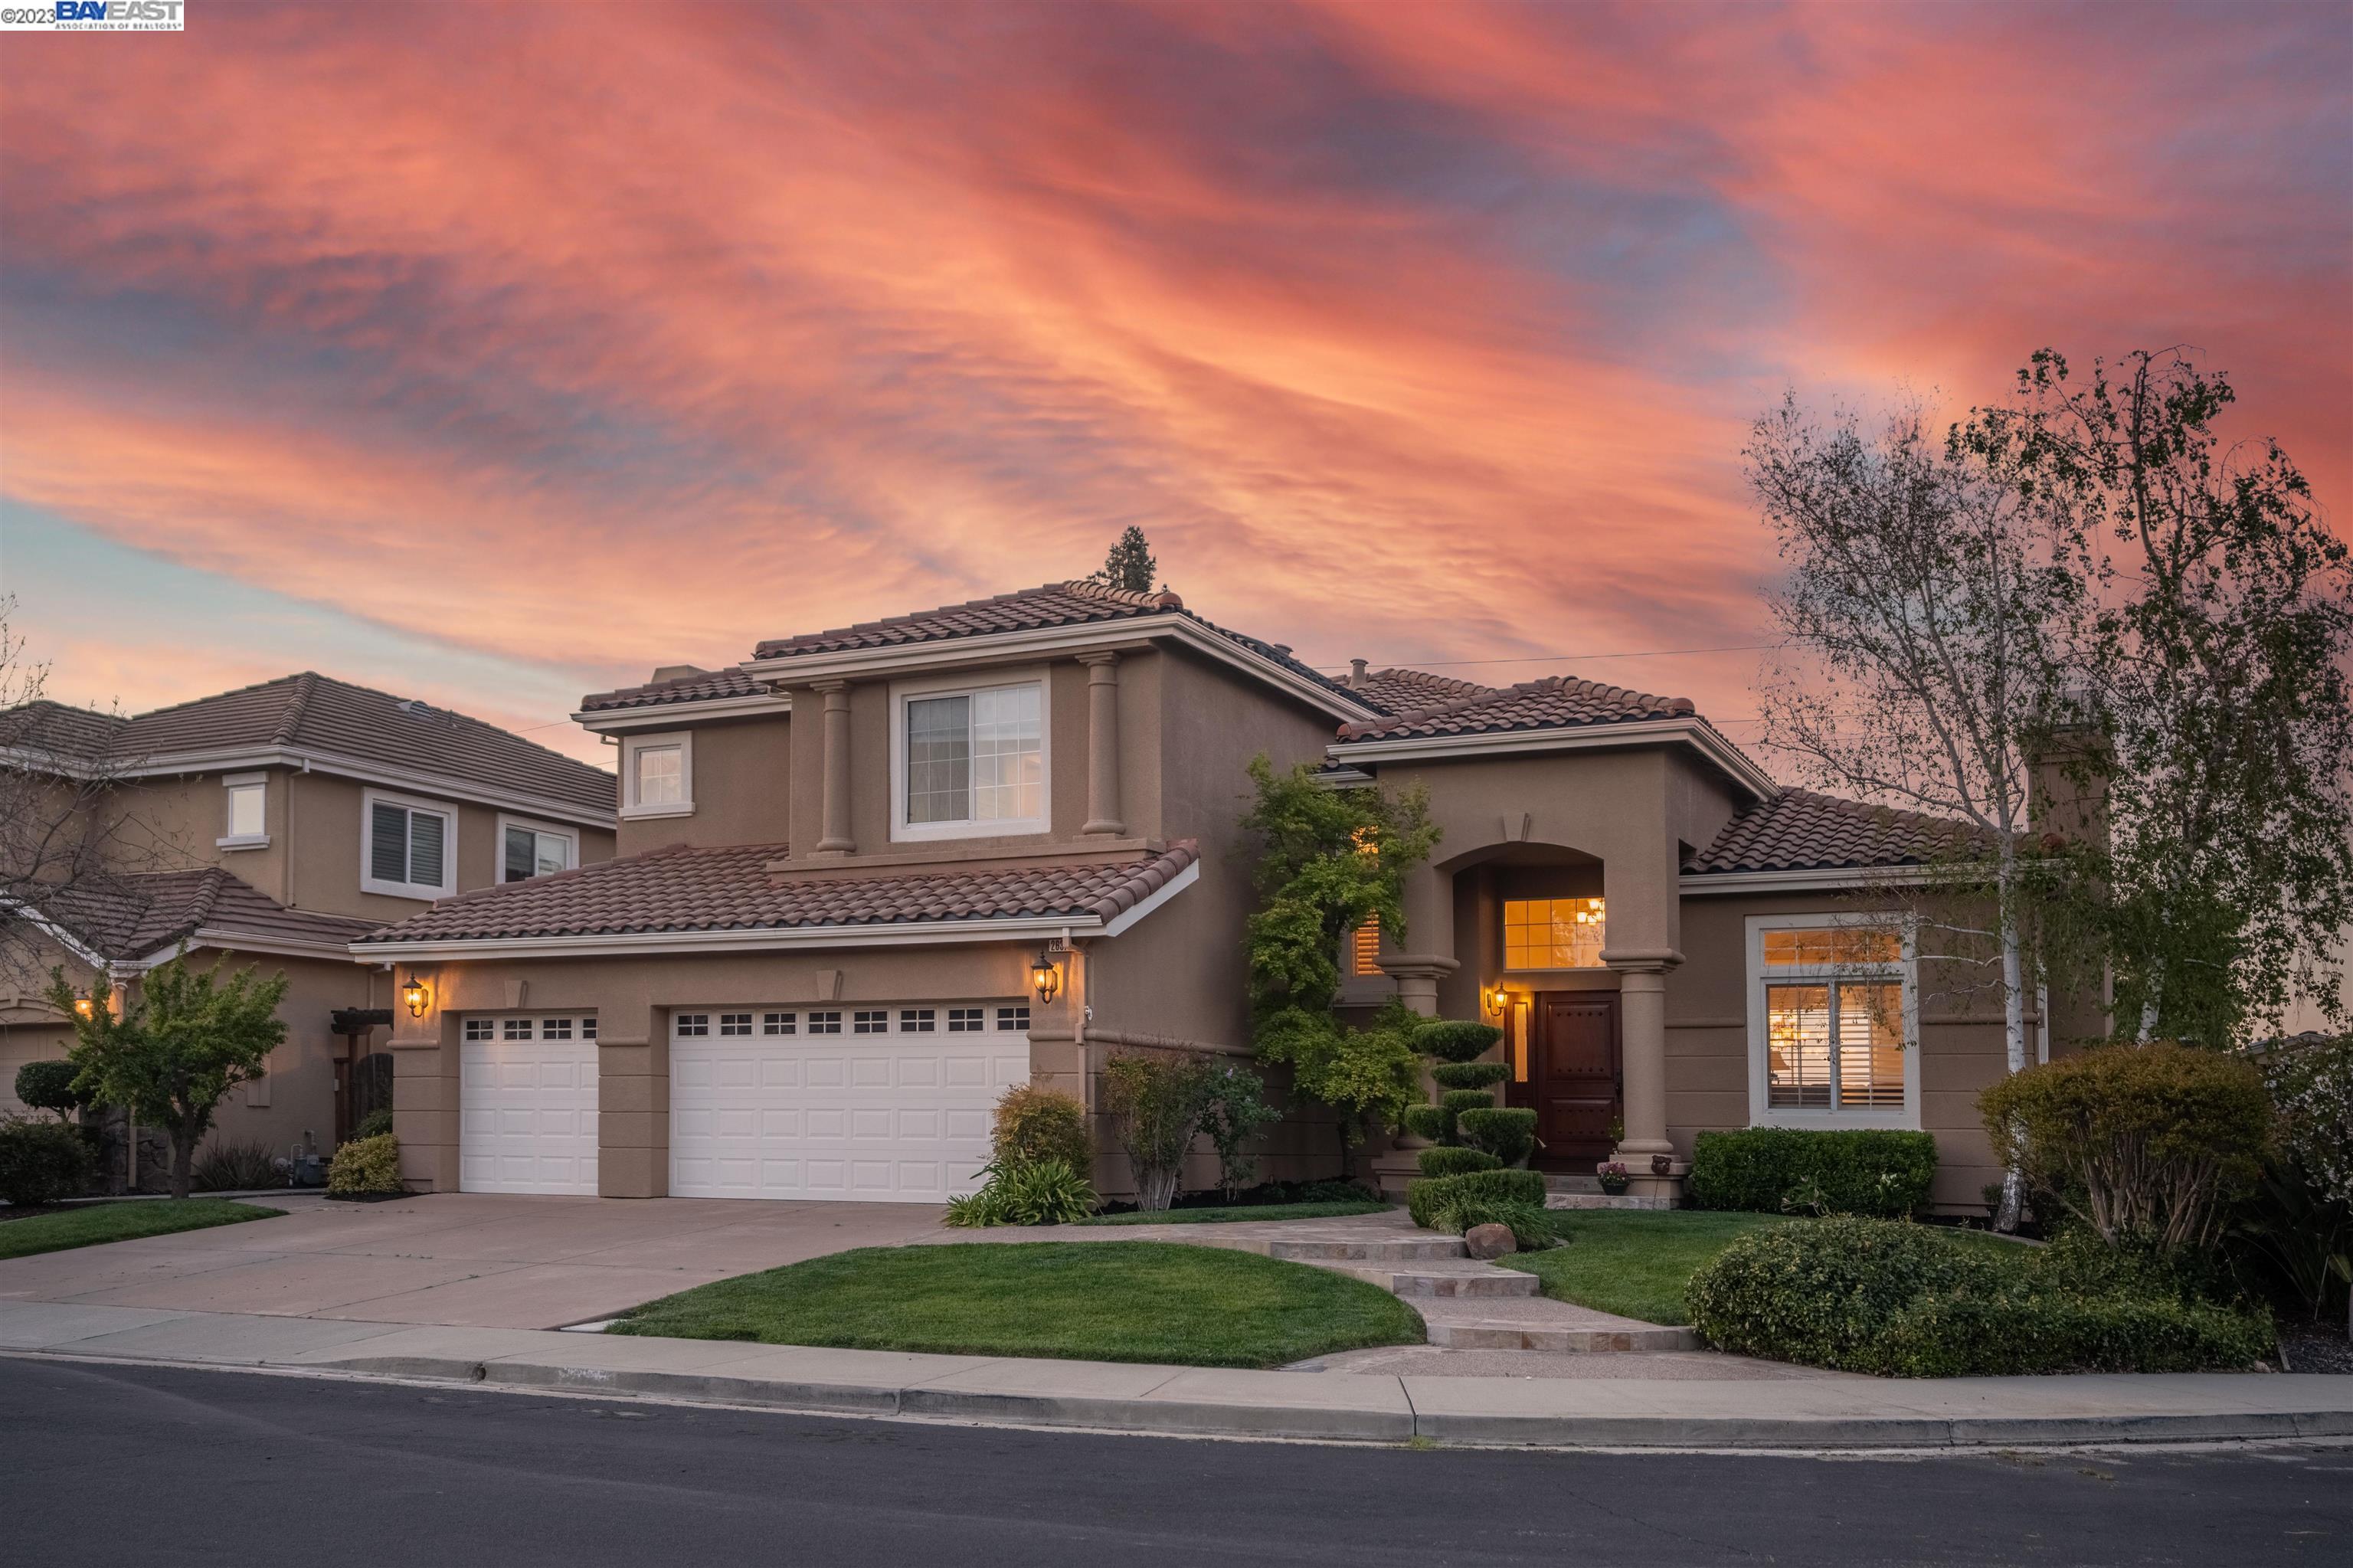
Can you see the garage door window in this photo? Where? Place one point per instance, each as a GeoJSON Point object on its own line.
{"type": "Point", "coordinates": [1014, 1018]}
{"type": "Point", "coordinates": [694, 1024]}
{"type": "Point", "coordinates": [825, 1022]}
{"type": "Point", "coordinates": [965, 1020]}
{"type": "Point", "coordinates": [778, 1023]}
{"type": "Point", "coordinates": [734, 1024]}
{"type": "Point", "coordinates": [876, 1021]}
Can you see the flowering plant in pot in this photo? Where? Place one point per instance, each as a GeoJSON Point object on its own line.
{"type": "Point", "coordinates": [1613, 1176]}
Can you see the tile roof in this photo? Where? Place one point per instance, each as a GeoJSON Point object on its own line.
{"type": "Point", "coordinates": [146, 912]}
{"type": "Point", "coordinates": [1076, 603]}
{"type": "Point", "coordinates": [1799, 829]}
{"type": "Point", "coordinates": [313, 713]}
{"type": "Point", "coordinates": [1556, 702]}
{"type": "Point", "coordinates": [730, 888]}
{"type": "Point", "coordinates": [53, 729]}
{"type": "Point", "coordinates": [1402, 691]}
{"type": "Point", "coordinates": [707, 685]}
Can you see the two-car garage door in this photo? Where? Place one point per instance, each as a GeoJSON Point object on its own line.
{"type": "Point", "coordinates": [882, 1104]}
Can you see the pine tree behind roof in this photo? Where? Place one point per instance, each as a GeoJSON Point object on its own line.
{"type": "Point", "coordinates": [1130, 565]}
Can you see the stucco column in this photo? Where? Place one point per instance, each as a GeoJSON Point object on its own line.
{"type": "Point", "coordinates": [1103, 744]}
{"type": "Point", "coordinates": [837, 839]}
{"type": "Point", "coordinates": [1643, 1025]}
{"type": "Point", "coordinates": [1423, 954]}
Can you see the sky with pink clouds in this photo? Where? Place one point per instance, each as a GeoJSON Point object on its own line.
{"type": "Point", "coordinates": [496, 353]}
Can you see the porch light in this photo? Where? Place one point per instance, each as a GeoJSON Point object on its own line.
{"type": "Point", "coordinates": [415, 994]}
{"type": "Point", "coordinates": [1490, 1001]}
{"type": "Point", "coordinates": [84, 1007]}
{"type": "Point", "coordinates": [1044, 978]}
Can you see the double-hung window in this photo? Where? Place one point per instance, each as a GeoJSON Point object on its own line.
{"type": "Point", "coordinates": [969, 762]}
{"type": "Point", "coordinates": [658, 775]}
{"type": "Point", "coordinates": [411, 849]}
{"type": "Point", "coordinates": [527, 850]}
{"type": "Point", "coordinates": [1834, 1018]}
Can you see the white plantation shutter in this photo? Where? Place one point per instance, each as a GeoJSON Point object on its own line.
{"type": "Point", "coordinates": [388, 843]}
{"type": "Point", "coordinates": [424, 848]}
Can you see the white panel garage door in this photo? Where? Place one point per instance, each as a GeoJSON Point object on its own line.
{"type": "Point", "coordinates": [882, 1104]}
{"type": "Point", "coordinates": [527, 1106]}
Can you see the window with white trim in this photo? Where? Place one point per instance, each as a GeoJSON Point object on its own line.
{"type": "Point", "coordinates": [734, 1024]}
{"type": "Point", "coordinates": [825, 1022]}
{"type": "Point", "coordinates": [412, 847]}
{"type": "Point", "coordinates": [556, 1028]}
{"type": "Point", "coordinates": [479, 1029]}
{"type": "Point", "coordinates": [691, 1023]}
{"type": "Point", "coordinates": [527, 850]}
{"type": "Point", "coordinates": [970, 762]}
{"type": "Point", "coordinates": [777, 1023]}
{"type": "Point", "coordinates": [516, 1029]}
{"type": "Point", "coordinates": [917, 1020]}
{"type": "Point", "coordinates": [658, 775]}
{"type": "Point", "coordinates": [246, 822]}
{"type": "Point", "coordinates": [874, 1022]}
{"type": "Point", "coordinates": [1832, 1020]}
{"type": "Point", "coordinates": [588, 1028]}
{"type": "Point", "coordinates": [1013, 1017]}
{"type": "Point", "coordinates": [965, 1020]}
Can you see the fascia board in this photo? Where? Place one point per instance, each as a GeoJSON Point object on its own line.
{"type": "Point", "coordinates": [664, 715]}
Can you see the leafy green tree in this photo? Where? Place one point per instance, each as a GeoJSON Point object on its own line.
{"type": "Point", "coordinates": [2217, 655]}
{"type": "Point", "coordinates": [1130, 565]}
{"type": "Point", "coordinates": [1330, 860]}
{"type": "Point", "coordinates": [192, 1036]}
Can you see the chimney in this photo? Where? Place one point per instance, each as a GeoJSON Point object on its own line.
{"type": "Point", "coordinates": [1356, 672]}
{"type": "Point", "coordinates": [676, 673]}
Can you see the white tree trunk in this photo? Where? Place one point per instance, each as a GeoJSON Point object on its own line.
{"type": "Point", "coordinates": [2013, 1018]}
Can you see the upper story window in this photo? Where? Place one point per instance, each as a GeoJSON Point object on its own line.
{"type": "Point", "coordinates": [527, 850]}
{"type": "Point", "coordinates": [969, 762]}
{"type": "Point", "coordinates": [1364, 948]}
{"type": "Point", "coordinates": [1553, 933]}
{"type": "Point", "coordinates": [246, 822]}
{"type": "Point", "coordinates": [658, 775]}
{"type": "Point", "coordinates": [409, 847]}
{"type": "Point", "coordinates": [1832, 1017]}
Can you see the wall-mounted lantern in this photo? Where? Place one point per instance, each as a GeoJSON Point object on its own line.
{"type": "Point", "coordinates": [84, 1007]}
{"type": "Point", "coordinates": [1490, 1001]}
{"type": "Point", "coordinates": [1045, 978]}
{"type": "Point", "coordinates": [415, 994]}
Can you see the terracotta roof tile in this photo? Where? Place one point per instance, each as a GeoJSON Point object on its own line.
{"type": "Point", "coordinates": [1799, 829]}
{"type": "Point", "coordinates": [1556, 702]}
{"type": "Point", "coordinates": [1402, 691]}
{"type": "Point", "coordinates": [683, 889]}
{"type": "Point", "coordinates": [134, 916]}
{"type": "Point", "coordinates": [708, 685]}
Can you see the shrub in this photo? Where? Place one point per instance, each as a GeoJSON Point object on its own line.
{"type": "Point", "coordinates": [1425, 1198]}
{"type": "Point", "coordinates": [1430, 1122]}
{"type": "Point", "coordinates": [2151, 1140]}
{"type": "Point", "coordinates": [1470, 1074]}
{"type": "Point", "coordinates": [1454, 1160]}
{"type": "Point", "coordinates": [1769, 1170]}
{"type": "Point", "coordinates": [50, 1086]}
{"type": "Point", "coordinates": [42, 1161]}
{"type": "Point", "coordinates": [367, 1165]}
{"type": "Point", "coordinates": [1455, 1039]}
{"type": "Point", "coordinates": [1237, 1113]}
{"type": "Point", "coordinates": [1157, 1104]}
{"type": "Point", "coordinates": [1034, 1124]}
{"type": "Point", "coordinates": [1878, 1296]}
{"type": "Point", "coordinates": [1506, 1133]}
{"type": "Point", "coordinates": [227, 1167]}
{"type": "Point", "coordinates": [375, 1124]}
{"type": "Point", "coordinates": [1044, 1192]}
{"type": "Point", "coordinates": [1534, 1227]}
{"type": "Point", "coordinates": [2296, 1233]}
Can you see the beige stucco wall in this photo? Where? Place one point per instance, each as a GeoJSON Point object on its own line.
{"type": "Point", "coordinates": [742, 788]}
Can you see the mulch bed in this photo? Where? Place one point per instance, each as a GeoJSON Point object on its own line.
{"type": "Point", "coordinates": [2309, 1349]}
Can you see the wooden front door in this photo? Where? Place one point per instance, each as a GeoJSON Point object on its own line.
{"type": "Point", "coordinates": [1573, 1077]}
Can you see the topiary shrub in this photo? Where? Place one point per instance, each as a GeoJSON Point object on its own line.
{"type": "Point", "coordinates": [1777, 1169]}
{"type": "Point", "coordinates": [1507, 1133]}
{"type": "Point", "coordinates": [367, 1165]}
{"type": "Point", "coordinates": [2157, 1141]}
{"type": "Point", "coordinates": [1425, 1198]}
{"type": "Point", "coordinates": [1034, 1124]}
{"type": "Point", "coordinates": [1455, 1039]}
{"type": "Point", "coordinates": [1881, 1296]}
{"type": "Point", "coordinates": [1534, 1227]}
{"type": "Point", "coordinates": [1470, 1074]}
{"type": "Point", "coordinates": [1430, 1122]}
{"type": "Point", "coordinates": [1042, 1193]}
{"type": "Point", "coordinates": [1455, 1159]}
{"type": "Point", "coordinates": [42, 1161]}
{"type": "Point", "coordinates": [49, 1086]}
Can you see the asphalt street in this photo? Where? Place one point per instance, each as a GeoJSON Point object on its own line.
{"type": "Point", "coordinates": [138, 1465]}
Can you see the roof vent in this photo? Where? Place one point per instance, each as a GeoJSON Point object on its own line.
{"type": "Point", "coordinates": [677, 672]}
{"type": "Point", "coordinates": [1357, 670]}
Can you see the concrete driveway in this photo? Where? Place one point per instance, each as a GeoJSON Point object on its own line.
{"type": "Point", "coordinates": [467, 1259]}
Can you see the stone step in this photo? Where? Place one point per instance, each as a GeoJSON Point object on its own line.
{"type": "Point", "coordinates": [1567, 1181]}
{"type": "Point", "coordinates": [1474, 1335]}
{"type": "Point", "coordinates": [1407, 1250]}
{"type": "Point", "coordinates": [1556, 1199]}
{"type": "Point", "coordinates": [1468, 1279]}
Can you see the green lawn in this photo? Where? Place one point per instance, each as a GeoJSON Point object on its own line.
{"type": "Point", "coordinates": [96, 1223]}
{"type": "Point", "coordinates": [1103, 1301]}
{"type": "Point", "coordinates": [1239, 1212]}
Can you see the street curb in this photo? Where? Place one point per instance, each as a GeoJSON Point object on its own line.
{"type": "Point", "coordinates": [1206, 1418]}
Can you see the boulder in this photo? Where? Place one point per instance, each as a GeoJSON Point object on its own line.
{"type": "Point", "coordinates": [1489, 1241]}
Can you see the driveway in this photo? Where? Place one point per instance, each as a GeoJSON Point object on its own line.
{"type": "Point", "coordinates": [466, 1259]}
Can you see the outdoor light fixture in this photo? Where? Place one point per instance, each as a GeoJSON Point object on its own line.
{"type": "Point", "coordinates": [415, 994]}
{"type": "Point", "coordinates": [1491, 999]}
{"type": "Point", "coordinates": [84, 1008]}
{"type": "Point", "coordinates": [1044, 978]}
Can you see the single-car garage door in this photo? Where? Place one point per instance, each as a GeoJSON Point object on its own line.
{"type": "Point", "coordinates": [527, 1105]}
{"type": "Point", "coordinates": [882, 1104]}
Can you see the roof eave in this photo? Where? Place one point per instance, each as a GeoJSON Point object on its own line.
{"type": "Point", "coordinates": [1697, 733]}
{"type": "Point", "coordinates": [346, 766]}
{"type": "Point", "coordinates": [1801, 879]}
{"type": "Point", "coordinates": [663, 716]}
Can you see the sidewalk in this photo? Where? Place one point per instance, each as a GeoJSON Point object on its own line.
{"type": "Point", "coordinates": [1830, 1413]}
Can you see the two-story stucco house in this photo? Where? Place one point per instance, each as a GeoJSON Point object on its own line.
{"type": "Point", "coordinates": [276, 824]}
{"type": "Point", "coordinates": [869, 878]}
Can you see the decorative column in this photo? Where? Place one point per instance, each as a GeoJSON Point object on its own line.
{"type": "Point", "coordinates": [1102, 745]}
{"type": "Point", "coordinates": [1643, 1025]}
{"type": "Point", "coordinates": [837, 839]}
{"type": "Point", "coordinates": [1430, 930]}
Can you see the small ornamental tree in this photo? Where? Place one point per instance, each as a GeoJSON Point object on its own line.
{"type": "Point", "coordinates": [1331, 861]}
{"type": "Point", "coordinates": [49, 1086]}
{"type": "Point", "coordinates": [192, 1036]}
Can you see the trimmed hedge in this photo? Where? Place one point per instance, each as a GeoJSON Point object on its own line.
{"type": "Point", "coordinates": [1455, 1159]}
{"type": "Point", "coordinates": [1470, 1074]}
{"type": "Point", "coordinates": [367, 1165]}
{"type": "Point", "coordinates": [1455, 1039]}
{"type": "Point", "coordinates": [1903, 1300]}
{"type": "Point", "coordinates": [1505, 1132]}
{"type": "Point", "coordinates": [1534, 1227]}
{"type": "Point", "coordinates": [1424, 1199]}
{"type": "Point", "coordinates": [1430, 1122]}
{"type": "Point", "coordinates": [1775, 1170]}
{"type": "Point", "coordinates": [41, 1161]}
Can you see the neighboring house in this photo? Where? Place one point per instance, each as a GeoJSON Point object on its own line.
{"type": "Point", "coordinates": [277, 825]}
{"type": "Point", "coordinates": [871, 878]}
